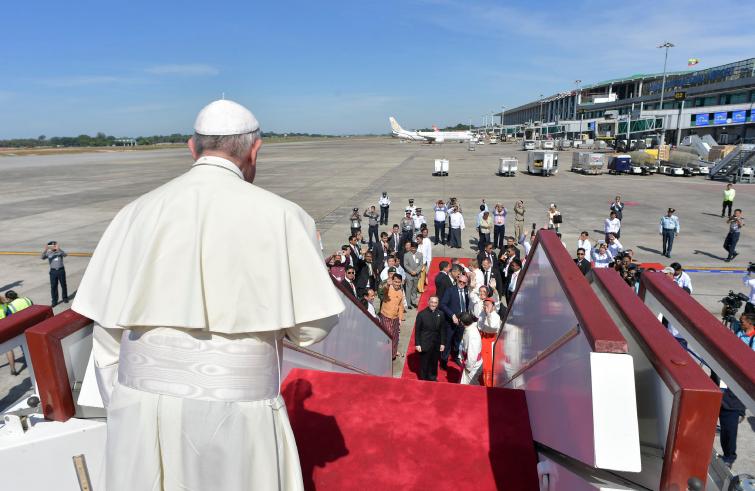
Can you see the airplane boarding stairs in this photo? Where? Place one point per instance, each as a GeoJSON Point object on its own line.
{"type": "Point", "coordinates": [734, 166]}
{"type": "Point", "coordinates": [591, 392]}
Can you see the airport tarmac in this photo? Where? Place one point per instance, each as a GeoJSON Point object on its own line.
{"type": "Point", "coordinates": [72, 198]}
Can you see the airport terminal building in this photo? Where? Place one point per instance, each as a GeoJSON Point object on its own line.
{"type": "Point", "coordinates": [717, 101]}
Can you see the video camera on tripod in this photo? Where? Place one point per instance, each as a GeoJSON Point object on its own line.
{"type": "Point", "coordinates": [732, 303]}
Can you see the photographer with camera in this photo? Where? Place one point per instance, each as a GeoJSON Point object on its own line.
{"type": "Point", "coordinates": [749, 281]}
{"type": "Point", "coordinates": [735, 222]}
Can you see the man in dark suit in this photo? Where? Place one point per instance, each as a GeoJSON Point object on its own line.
{"type": "Point", "coordinates": [430, 339]}
{"type": "Point", "coordinates": [510, 241]}
{"type": "Point", "coordinates": [394, 241]}
{"type": "Point", "coordinates": [490, 273]}
{"type": "Point", "coordinates": [367, 276]}
{"type": "Point", "coordinates": [354, 252]}
{"type": "Point", "coordinates": [348, 281]}
{"type": "Point", "coordinates": [489, 254]}
{"type": "Point", "coordinates": [442, 279]}
{"type": "Point", "coordinates": [505, 268]}
{"type": "Point", "coordinates": [380, 253]}
{"type": "Point", "coordinates": [455, 301]}
{"type": "Point", "coordinates": [582, 263]}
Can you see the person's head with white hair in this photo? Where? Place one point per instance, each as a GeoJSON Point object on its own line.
{"type": "Point", "coordinates": [230, 131]}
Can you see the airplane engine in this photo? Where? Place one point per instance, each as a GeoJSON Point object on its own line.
{"type": "Point", "coordinates": [439, 139]}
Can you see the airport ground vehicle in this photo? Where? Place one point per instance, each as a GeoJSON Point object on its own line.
{"type": "Point", "coordinates": [587, 163]}
{"type": "Point", "coordinates": [671, 170]}
{"type": "Point", "coordinates": [441, 167]}
{"type": "Point", "coordinates": [528, 145]}
{"type": "Point", "coordinates": [508, 166]}
{"type": "Point", "coordinates": [493, 140]}
{"type": "Point", "coordinates": [543, 162]}
{"type": "Point", "coordinates": [622, 164]}
{"type": "Point", "coordinates": [548, 145]}
{"type": "Point", "coordinates": [564, 144]}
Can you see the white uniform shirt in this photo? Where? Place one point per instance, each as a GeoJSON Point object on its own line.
{"type": "Point", "coordinates": [601, 260]}
{"type": "Point", "coordinates": [427, 252]}
{"type": "Point", "coordinates": [749, 282]}
{"type": "Point", "coordinates": [457, 220]}
{"type": "Point", "coordinates": [371, 309]}
{"type": "Point", "coordinates": [412, 209]}
{"type": "Point", "coordinates": [612, 226]}
{"type": "Point", "coordinates": [440, 213]}
{"type": "Point", "coordinates": [384, 201]}
{"type": "Point", "coordinates": [586, 245]}
{"type": "Point", "coordinates": [683, 281]}
{"type": "Point", "coordinates": [514, 277]}
{"type": "Point", "coordinates": [418, 221]}
{"type": "Point", "coordinates": [615, 248]}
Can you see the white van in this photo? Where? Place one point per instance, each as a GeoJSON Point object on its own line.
{"type": "Point", "coordinates": [528, 145]}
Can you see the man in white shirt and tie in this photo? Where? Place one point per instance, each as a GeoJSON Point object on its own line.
{"type": "Point", "coordinates": [612, 225]}
{"type": "Point", "coordinates": [457, 225]}
{"type": "Point", "coordinates": [614, 246]}
{"type": "Point", "coordinates": [441, 212]}
{"type": "Point", "coordinates": [584, 243]}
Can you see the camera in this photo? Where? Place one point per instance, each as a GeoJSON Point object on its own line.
{"type": "Point", "coordinates": [732, 303]}
{"type": "Point", "coordinates": [751, 268]}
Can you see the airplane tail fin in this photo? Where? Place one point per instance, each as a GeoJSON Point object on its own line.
{"type": "Point", "coordinates": [394, 124]}
{"type": "Point", "coordinates": [435, 128]}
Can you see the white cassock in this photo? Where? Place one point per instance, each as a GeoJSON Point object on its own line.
{"type": "Point", "coordinates": [471, 354]}
{"type": "Point", "coordinates": [192, 289]}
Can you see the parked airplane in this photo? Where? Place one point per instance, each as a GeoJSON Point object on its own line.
{"type": "Point", "coordinates": [436, 136]}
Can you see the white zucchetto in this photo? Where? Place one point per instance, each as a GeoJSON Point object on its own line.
{"type": "Point", "coordinates": [224, 117]}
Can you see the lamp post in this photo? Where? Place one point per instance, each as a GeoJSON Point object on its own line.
{"type": "Point", "coordinates": [576, 103]}
{"type": "Point", "coordinates": [666, 46]}
{"type": "Point", "coordinates": [503, 109]}
{"type": "Point", "coordinates": [540, 132]}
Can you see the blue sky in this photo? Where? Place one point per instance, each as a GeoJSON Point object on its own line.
{"type": "Point", "coordinates": [139, 68]}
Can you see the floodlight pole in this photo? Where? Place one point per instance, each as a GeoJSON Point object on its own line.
{"type": "Point", "coordinates": [665, 45]}
{"type": "Point", "coordinates": [540, 133]}
{"type": "Point", "coordinates": [576, 103]}
{"type": "Point", "coordinates": [503, 109]}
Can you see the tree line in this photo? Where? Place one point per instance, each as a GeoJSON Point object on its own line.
{"type": "Point", "coordinates": [103, 140]}
{"type": "Point", "coordinates": [458, 127]}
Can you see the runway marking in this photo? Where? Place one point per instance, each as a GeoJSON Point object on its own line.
{"type": "Point", "coordinates": [27, 253]}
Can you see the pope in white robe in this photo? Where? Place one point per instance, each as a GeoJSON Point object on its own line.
{"type": "Point", "coordinates": [192, 289]}
{"type": "Point", "coordinates": [471, 351]}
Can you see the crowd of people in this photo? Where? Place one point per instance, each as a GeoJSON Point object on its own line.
{"type": "Point", "coordinates": [462, 319]}
{"type": "Point", "coordinates": [392, 266]}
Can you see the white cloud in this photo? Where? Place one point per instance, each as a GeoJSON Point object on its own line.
{"type": "Point", "coordinates": [594, 43]}
{"type": "Point", "coordinates": [189, 70]}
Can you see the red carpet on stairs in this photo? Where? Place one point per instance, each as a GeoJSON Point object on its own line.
{"type": "Point", "coordinates": [411, 365]}
{"type": "Point", "coordinates": [359, 432]}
